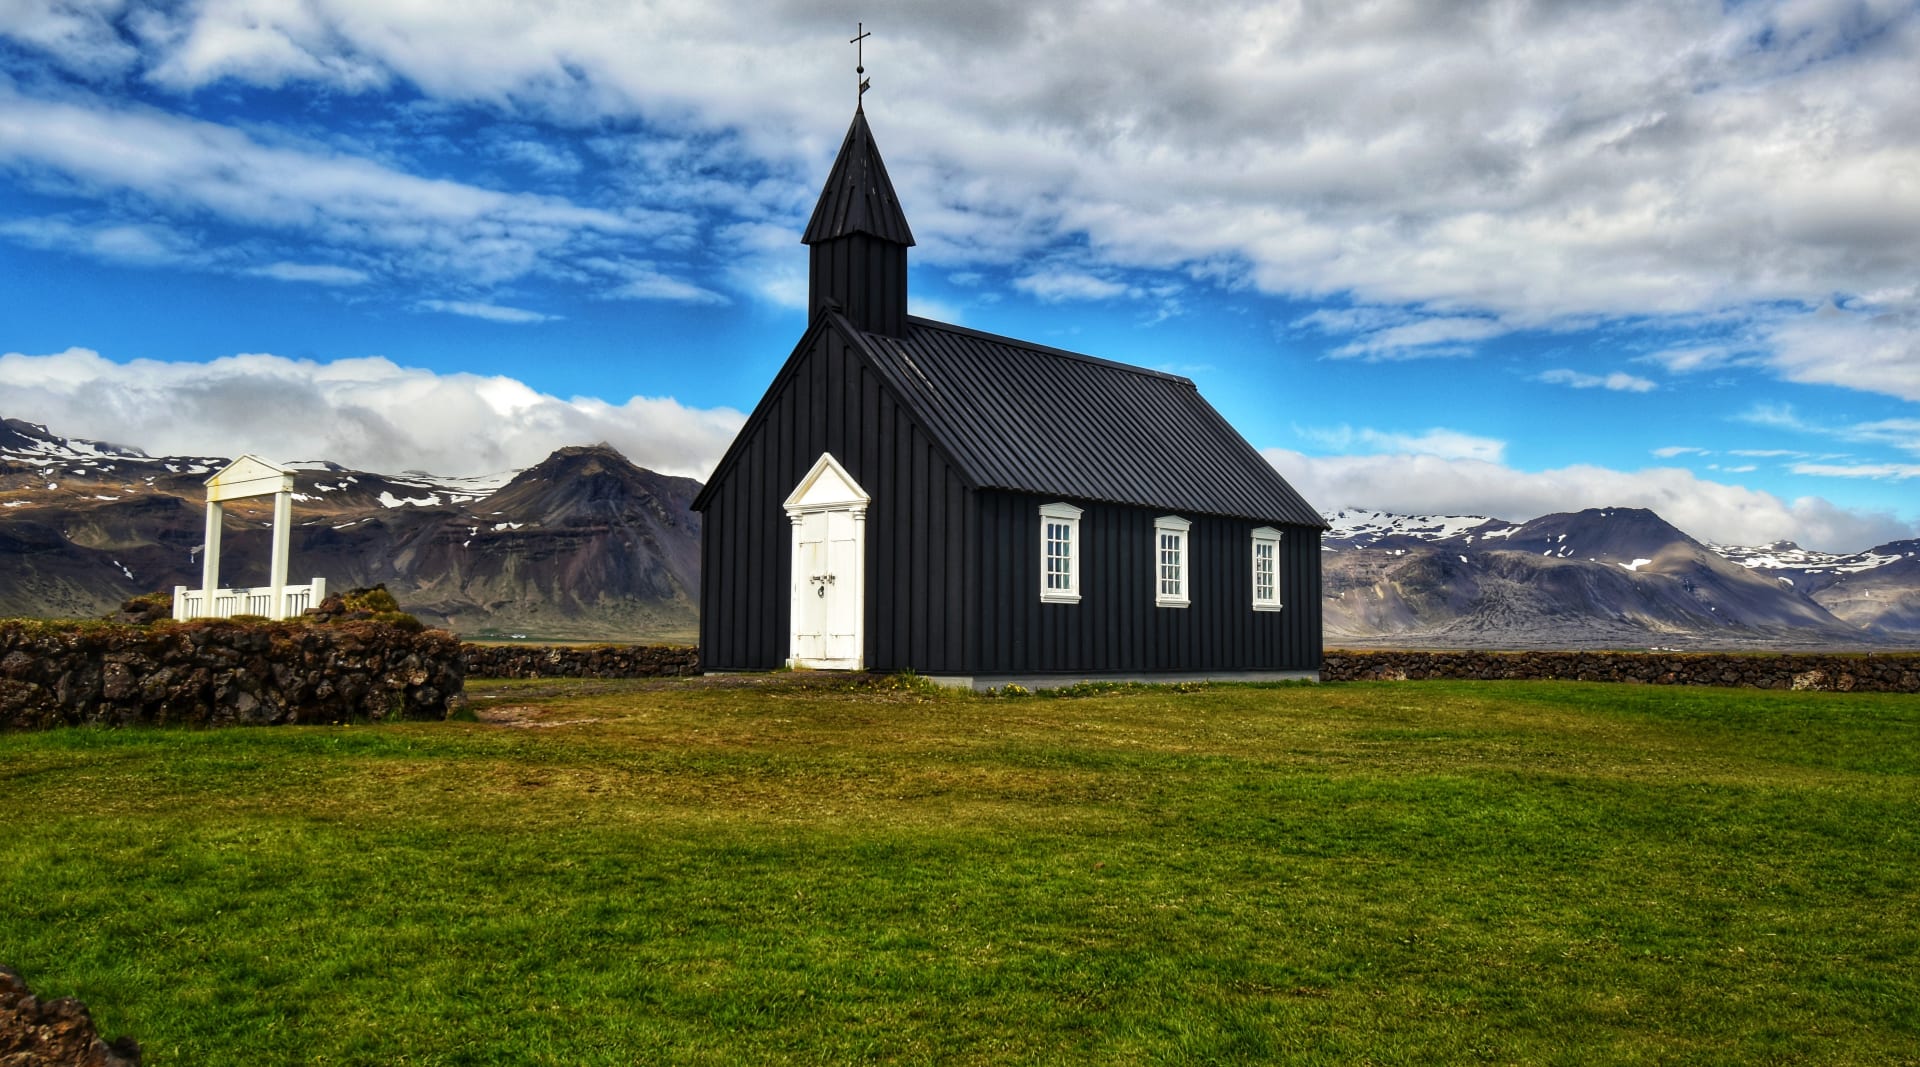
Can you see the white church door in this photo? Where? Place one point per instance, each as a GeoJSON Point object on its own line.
{"type": "Point", "coordinates": [828, 510]}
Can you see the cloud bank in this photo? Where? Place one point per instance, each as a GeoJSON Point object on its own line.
{"type": "Point", "coordinates": [1448, 485]}
{"type": "Point", "coordinates": [369, 414]}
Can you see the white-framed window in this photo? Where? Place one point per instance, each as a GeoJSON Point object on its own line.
{"type": "Point", "coordinates": [1060, 553]}
{"type": "Point", "coordinates": [1170, 561]}
{"type": "Point", "coordinates": [1266, 569]}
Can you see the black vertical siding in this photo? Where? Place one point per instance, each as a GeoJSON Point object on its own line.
{"type": "Point", "coordinates": [1116, 626]}
{"type": "Point", "coordinates": [919, 599]}
{"type": "Point", "coordinates": [867, 277]}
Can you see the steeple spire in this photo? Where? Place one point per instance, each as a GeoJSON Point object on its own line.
{"type": "Point", "coordinates": [859, 238]}
{"type": "Point", "coordinates": [858, 197]}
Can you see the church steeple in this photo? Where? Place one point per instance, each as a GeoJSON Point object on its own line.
{"type": "Point", "coordinates": [858, 238]}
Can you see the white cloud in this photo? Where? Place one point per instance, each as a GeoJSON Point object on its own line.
{"type": "Point", "coordinates": [540, 157]}
{"type": "Point", "coordinates": [1714, 511]}
{"type": "Point", "coordinates": [184, 165]}
{"type": "Point", "coordinates": [1884, 471]}
{"type": "Point", "coordinates": [317, 273]}
{"type": "Point", "coordinates": [489, 312]}
{"type": "Point", "coordinates": [136, 244]}
{"type": "Point", "coordinates": [1439, 441]}
{"type": "Point", "coordinates": [368, 413]}
{"type": "Point", "coordinates": [79, 34]}
{"type": "Point", "coordinates": [1687, 359]}
{"type": "Point", "coordinates": [1056, 286]}
{"type": "Point", "coordinates": [1874, 347]}
{"type": "Point", "coordinates": [1422, 338]}
{"type": "Point", "coordinates": [1900, 433]}
{"type": "Point", "coordinates": [1670, 451]}
{"type": "Point", "coordinates": [1617, 381]}
{"type": "Point", "coordinates": [652, 285]}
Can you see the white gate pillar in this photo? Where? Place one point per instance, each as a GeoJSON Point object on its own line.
{"type": "Point", "coordinates": [210, 565]}
{"type": "Point", "coordinates": [282, 544]}
{"type": "Point", "coordinates": [247, 476]}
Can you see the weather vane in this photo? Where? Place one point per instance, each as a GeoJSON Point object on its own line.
{"type": "Point", "coordinates": [860, 58]}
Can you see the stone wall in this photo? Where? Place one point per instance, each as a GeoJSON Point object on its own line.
{"type": "Point", "coordinates": [54, 1033]}
{"type": "Point", "coordinates": [1897, 672]}
{"type": "Point", "coordinates": [214, 673]}
{"type": "Point", "coordinates": [584, 661]}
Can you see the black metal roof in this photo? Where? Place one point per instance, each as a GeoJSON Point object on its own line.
{"type": "Point", "coordinates": [859, 196]}
{"type": "Point", "coordinates": [1025, 417]}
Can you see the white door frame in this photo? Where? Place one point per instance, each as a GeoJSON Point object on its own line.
{"type": "Point", "coordinates": [827, 490]}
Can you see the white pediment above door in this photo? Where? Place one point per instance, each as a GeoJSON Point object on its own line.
{"type": "Point", "coordinates": [827, 486]}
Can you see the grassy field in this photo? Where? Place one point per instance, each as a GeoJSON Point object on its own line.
{"type": "Point", "coordinates": [608, 874]}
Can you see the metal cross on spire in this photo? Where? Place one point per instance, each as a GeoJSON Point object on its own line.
{"type": "Point", "coordinates": [861, 33]}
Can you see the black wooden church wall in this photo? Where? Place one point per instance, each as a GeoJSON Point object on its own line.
{"type": "Point", "coordinates": [1116, 626]}
{"type": "Point", "coordinates": [918, 608]}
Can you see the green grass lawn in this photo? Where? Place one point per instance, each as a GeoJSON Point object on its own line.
{"type": "Point", "coordinates": [1363, 873]}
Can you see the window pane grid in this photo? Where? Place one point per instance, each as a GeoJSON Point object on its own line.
{"type": "Point", "coordinates": [1059, 556]}
{"type": "Point", "coordinates": [1170, 576]}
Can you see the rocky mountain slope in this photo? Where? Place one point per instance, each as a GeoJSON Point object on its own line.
{"type": "Point", "coordinates": [583, 545]}
{"type": "Point", "coordinates": [1609, 577]}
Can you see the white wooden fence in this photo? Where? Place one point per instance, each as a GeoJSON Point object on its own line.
{"type": "Point", "coordinates": [226, 603]}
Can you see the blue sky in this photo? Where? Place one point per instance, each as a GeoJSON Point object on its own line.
{"type": "Point", "coordinates": [1475, 258]}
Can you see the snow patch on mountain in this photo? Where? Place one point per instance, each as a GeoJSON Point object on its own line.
{"type": "Point", "coordinates": [1788, 556]}
{"type": "Point", "coordinates": [1358, 524]}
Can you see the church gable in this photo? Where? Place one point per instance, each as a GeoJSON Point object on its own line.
{"type": "Point", "coordinates": [829, 385]}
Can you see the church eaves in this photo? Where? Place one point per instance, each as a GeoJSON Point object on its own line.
{"type": "Point", "coordinates": [859, 196]}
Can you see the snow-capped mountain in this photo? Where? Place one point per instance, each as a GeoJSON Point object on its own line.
{"type": "Point", "coordinates": [1878, 588]}
{"type": "Point", "coordinates": [1604, 576]}
{"type": "Point", "coordinates": [84, 525]}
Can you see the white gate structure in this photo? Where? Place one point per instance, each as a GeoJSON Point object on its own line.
{"type": "Point", "coordinates": [245, 477]}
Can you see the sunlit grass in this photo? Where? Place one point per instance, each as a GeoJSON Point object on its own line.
{"type": "Point", "coordinates": [616, 872]}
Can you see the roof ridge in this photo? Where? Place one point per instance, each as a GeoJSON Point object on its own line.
{"type": "Point", "coordinates": [1031, 346]}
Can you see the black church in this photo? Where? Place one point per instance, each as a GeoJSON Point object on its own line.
{"type": "Point", "coordinates": [911, 495]}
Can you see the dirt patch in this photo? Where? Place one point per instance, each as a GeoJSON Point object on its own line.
{"type": "Point", "coordinates": [521, 717]}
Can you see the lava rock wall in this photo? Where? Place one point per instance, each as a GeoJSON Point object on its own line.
{"type": "Point", "coordinates": [54, 1033]}
{"type": "Point", "coordinates": [1897, 672]}
{"type": "Point", "coordinates": [586, 661]}
{"type": "Point", "coordinates": [214, 673]}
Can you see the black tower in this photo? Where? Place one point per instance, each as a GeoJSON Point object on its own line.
{"type": "Point", "coordinates": [859, 239]}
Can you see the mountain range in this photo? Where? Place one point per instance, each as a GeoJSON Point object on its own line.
{"type": "Point", "coordinates": [586, 545]}
{"type": "Point", "coordinates": [1604, 577]}
{"type": "Point", "coordinates": [583, 545]}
